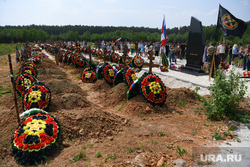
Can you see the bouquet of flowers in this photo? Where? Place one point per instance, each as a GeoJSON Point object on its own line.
{"type": "Point", "coordinates": [164, 69]}
{"type": "Point", "coordinates": [205, 67]}
{"type": "Point", "coordinates": [224, 65]}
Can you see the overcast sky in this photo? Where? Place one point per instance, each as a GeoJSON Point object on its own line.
{"type": "Point", "coordinates": [138, 13]}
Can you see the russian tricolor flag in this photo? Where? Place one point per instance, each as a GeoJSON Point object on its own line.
{"type": "Point", "coordinates": [118, 40]}
{"type": "Point", "coordinates": [163, 33]}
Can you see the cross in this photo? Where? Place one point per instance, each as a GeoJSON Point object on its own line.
{"type": "Point", "coordinates": [124, 57]}
{"type": "Point", "coordinates": [105, 56]}
{"type": "Point", "coordinates": [78, 48]}
{"type": "Point", "coordinates": [151, 64]}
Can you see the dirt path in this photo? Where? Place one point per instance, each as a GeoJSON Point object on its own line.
{"type": "Point", "coordinates": [98, 121]}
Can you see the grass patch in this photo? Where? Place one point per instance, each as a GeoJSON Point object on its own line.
{"type": "Point", "coordinates": [181, 151]}
{"type": "Point", "coordinates": [81, 156]}
{"type": "Point", "coordinates": [207, 123]}
{"type": "Point", "coordinates": [8, 48]}
{"type": "Point", "coordinates": [162, 134]}
{"type": "Point", "coordinates": [121, 106]}
{"type": "Point", "coordinates": [1, 90]}
{"type": "Point", "coordinates": [181, 102]}
{"type": "Point", "coordinates": [154, 142]}
{"type": "Point", "coordinates": [130, 150]}
{"type": "Point", "coordinates": [109, 157]}
{"type": "Point", "coordinates": [194, 132]}
{"type": "Point", "coordinates": [169, 147]}
{"type": "Point", "coordinates": [217, 136]}
{"type": "Point", "coordinates": [98, 154]}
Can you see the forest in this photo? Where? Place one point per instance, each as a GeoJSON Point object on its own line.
{"type": "Point", "coordinates": [34, 33]}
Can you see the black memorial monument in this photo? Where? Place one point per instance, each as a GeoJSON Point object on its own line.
{"type": "Point", "coordinates": [195, 46]}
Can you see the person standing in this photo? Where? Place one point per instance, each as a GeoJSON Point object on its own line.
{"type": "Point", "coordinates": [128, 45]}
{"type": "Point", "coordinates": [56, 55]}
{"type": "Point", "coordinates": [157, 48]}
{"type": "Point", "coordinates": [172, 54]}
{"type": "Point", "coordinates": [183, 50]}
{"type": "Point", "coordinates": [146, 49]}
{"type": "Point", "coordinates": [240, 54]}
{"type": "Point", "coordinates": [211, 51]}
{"type": "Point", "coordinates": [234, 52]}
{"type": "Point", "coordinates": [132, 46]}
{"type": "Point", "coordinates": [136, 48]}
{"type": "Point", "coordinates": [247, 54]}
{"type": "Point", "coordinates": [230, 47]}
{"type": "Point", "coordinates": [221, 51]}
{"type": "Point", "coordinates": [141, 46]}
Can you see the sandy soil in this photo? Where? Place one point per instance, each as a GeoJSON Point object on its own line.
{"type": "Point", "coordinates": [97, 118]}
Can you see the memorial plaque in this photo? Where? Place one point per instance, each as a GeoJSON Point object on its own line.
{"type": "Point", "coordinates": [195, 45]}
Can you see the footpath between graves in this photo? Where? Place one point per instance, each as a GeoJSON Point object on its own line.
{"type": "Point", "coordinates": [108, 130]}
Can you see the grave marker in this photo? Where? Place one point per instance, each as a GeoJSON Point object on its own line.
{"type": "Point", "coordinates": [124, 57]}
{"type": "Point", "coordinates": [151, 64]}
{"type": "Point", "coordinates": [195, 46]}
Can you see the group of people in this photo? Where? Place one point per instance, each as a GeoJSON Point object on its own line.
{"type": "Point", "coordinates": [173, 51]}
{"type": "Point", "coordinates": [229, 53]}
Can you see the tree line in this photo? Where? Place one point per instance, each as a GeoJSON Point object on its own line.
{"type": "Point", "coordinates": [34, 33]}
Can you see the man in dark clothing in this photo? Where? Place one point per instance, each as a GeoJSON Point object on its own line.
{"type": "Point", "coordinates": [183, 50]}
{"type": "Point", "coordinates": [157, 48]}
{"type": "Point", "coordinates": [167, 49]}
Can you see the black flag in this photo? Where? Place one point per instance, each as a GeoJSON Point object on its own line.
{"type": "Point", "coordinates": [230, 25]}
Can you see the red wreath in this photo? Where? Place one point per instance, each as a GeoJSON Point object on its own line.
{"type": "Point", "coordinates": [72, 58]}
{"type": "Point", "coordinates": [99, 53]}
{"type": "Point", "coordinates": [88, 49]}
{"type": "Point", "coordinates": [88, 76]}
{"type": "Point", "coordinates": [109, 74]}
{"type": "Point", "coordinates": [93, 51]}
{"type": "Point", "coordinates": [129, 76]}
{"type": "Point", "coordinates": [106, 56]}
{"type": "Point", "coordinates": [153, 89]}
{"type": "Point", "coordinates": [115, 57]}
{"type": "Point", "coordinates": [137, 61]}
{"type": "Point", "coordinates": [29, 70]}
{"type": "Point", "coordinates": [35, 138]}
{"type": "Point", "coordinates": [36, 96]}
{"type": "Point", "coordinates": [80, 60]}
{"type": "Point", "coordinates": [30, 63]}
{"type": "Point", "coordinates": [23, 81]}
{"type": "Point", "coordinates": [127, 61]}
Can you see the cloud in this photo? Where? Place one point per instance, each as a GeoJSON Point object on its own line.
{"type": "Point", "coordinates": [212, 12]}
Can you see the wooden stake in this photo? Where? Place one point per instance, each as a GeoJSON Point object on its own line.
{"type": "Point", "coordinates": [212, 67]}
{"type": "Point", "coordinates": [14, 90]}
{"type": "Point", "coordinates": [90, 59]}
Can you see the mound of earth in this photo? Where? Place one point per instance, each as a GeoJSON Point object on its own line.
{"type": "Point", "coordinates": [88, 123]}
{"type": "Point", "coordinates": [115, 95]}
